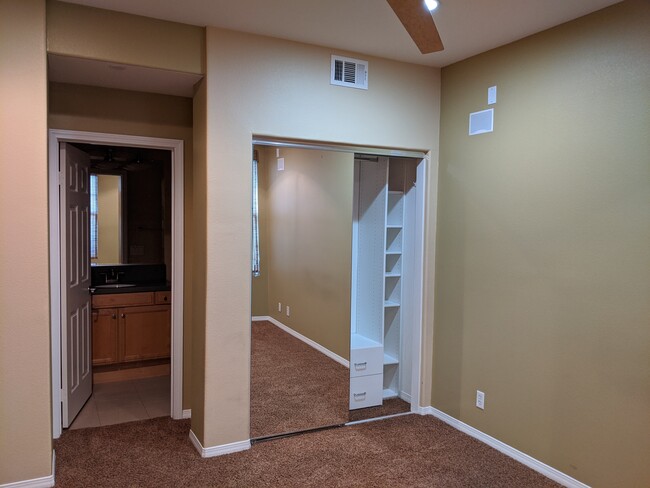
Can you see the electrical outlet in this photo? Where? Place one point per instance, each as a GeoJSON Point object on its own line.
{"type": "Point", "coordinates": [480, 399]}
{"type": "Point", "coordinates": [279, 307]}
{"type": "Point", "coordinates": [288, 311]}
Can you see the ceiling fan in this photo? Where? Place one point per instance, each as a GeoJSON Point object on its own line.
{"type": "Point", "coordinates": [416, 17]}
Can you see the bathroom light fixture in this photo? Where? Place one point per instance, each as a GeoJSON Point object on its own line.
{"type": "Point", "coordinates": [432, 4]}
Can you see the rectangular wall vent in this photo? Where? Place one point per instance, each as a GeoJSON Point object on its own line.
{"type": "Point", "coordinates": [349, 72]}
{"type": "Point", "coordinates": [481, 122]}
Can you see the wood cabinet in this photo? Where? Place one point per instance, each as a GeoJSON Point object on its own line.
{"type": "Point", "coordinates": [131, 327]}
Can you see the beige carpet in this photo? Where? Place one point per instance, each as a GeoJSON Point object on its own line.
{"type": "Point", "coordinates": [406, 451]}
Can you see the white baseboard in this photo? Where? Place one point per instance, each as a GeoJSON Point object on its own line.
{"type": "Point", "coordinates": [305, 339]}
{"type": "Point", "coordinates": [405, 396]}
{"type": "Point", "coordinates": [44, 482]}
{"type": "Point", "coordinates": [187, 413]}
{"type": "Point", "coordinates": [207, 452]}
{"type": "Point", "coordinates": [517, 455]}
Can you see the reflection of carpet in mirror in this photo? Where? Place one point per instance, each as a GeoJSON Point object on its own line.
{"type": "Point", "coordinates": [293, 386]}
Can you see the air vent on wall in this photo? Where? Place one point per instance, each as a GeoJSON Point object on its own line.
{"type": "Point", "coordinates": [349, 72]}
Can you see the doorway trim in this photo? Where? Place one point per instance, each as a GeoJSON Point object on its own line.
{"type": "Point", "coordinates": [176, 146]}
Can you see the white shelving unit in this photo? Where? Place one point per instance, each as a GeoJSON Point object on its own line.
{"type": "Point", "coordinates": [392, 292]}
{"type": "Point", "coordinates": [378, 240]}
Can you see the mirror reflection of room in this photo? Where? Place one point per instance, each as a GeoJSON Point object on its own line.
{"type": "Point", "coordinates": [301, 292]}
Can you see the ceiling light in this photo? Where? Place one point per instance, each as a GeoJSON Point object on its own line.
{"type": "Point", "coordinates": [432, 4]}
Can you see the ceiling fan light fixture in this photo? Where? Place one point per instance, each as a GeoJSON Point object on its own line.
{"type": "Point", "coordinates": [432, 4]}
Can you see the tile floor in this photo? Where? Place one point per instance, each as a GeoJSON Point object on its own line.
{"type": "Point", "coordinates": [125, 401]}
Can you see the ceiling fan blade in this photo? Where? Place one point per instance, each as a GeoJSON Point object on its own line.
{"type": "Point", "coordinates": [418, 22]}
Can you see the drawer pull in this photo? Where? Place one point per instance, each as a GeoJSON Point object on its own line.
{"type": "Point", "coordinates": [359, 396]}
{"type": "Point", "coordinates": [362, 365]}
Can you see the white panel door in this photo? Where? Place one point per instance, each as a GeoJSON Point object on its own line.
{"type": "Point", "coordinates": [76, 345]}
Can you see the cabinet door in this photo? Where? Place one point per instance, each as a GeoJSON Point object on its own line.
{"type": "Point", "coordinates": [145, 332]}
{"type": "Point", "coordinates": [105, 323]}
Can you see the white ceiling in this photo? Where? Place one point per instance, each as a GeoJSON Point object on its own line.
{"type": "Point", "coordinates": [467, 27]}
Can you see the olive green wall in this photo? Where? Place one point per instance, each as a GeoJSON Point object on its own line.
{"type": "Point", "coordinates": [95, 109]}
{"type": "Point", "coordinates": [543, 248]}
{"type": "Point", "coordinates": [309, 243]}
{"type": "Point", "coordinates": [25, 379]}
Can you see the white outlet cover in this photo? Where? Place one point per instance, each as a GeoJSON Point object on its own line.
{"type": "Point", "coordinates": [279, 306]}
{"type": "Point", "coordinates": [280, 164]}
{"type": "Point", "coordinates": [492, 95]}
{"type": "Point", "coordinates": [288, 311]}
{"type": "Point", "coordinates": [480, 399]}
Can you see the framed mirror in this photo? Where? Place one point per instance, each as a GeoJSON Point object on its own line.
{"type": "Point", "coordinates": [130, 204]}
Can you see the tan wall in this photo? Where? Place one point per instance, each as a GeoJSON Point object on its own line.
{"type": "Point", "coordinates": [86, 32]}
{"type": "Point", "coordinates": [109, 216]}
{"type": "Point", "coordinates": [310, 243]}
{"type": "Point", "coordinates": [543, 273]}
{"type": "Point", "coordinates": [25, 381]}
{"type": "Point", "coordinates": [198, 253]}
{"type": "Point", "coordinates": [258, 85]}
{"type": "Point", "coordinates": [94, 109]}
{"type": "Point", "coordinates": [260, 284]}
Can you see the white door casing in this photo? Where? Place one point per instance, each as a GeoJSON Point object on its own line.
{"type": "Point", "coordinates": [76, 345]}
{"type": "Point", "coordinates": [57, 293]}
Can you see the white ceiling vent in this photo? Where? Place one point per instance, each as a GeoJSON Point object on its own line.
{"type": "Point", "coordinates": [349, 72]}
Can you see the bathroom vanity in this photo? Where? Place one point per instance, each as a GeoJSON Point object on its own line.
{"type": "Point", "coordinates": [131, 314]}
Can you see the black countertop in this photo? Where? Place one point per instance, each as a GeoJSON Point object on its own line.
{"type": "Point", "coordinates": [141, 287]}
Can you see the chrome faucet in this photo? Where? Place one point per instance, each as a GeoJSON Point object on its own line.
{"type": "Point", "coordinates": [113, 276]}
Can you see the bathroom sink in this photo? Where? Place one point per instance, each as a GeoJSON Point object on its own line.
{"type": "Point", "coordinates": [115, 285]}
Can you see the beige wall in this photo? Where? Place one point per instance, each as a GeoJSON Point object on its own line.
{"type": "Point", "coordinates": [309, 243]}
{"type": "Point", "coordinates": [94, 109]}
{"type": "Point", "coordinates": [25, 398]}
{"type": "Point", "coordinates": [109, 219]}
{"type": "Point", "coordinates": [543, 263]}
{"type": "Point", "coordinates": [198, 253]}
{"type": "Point", "coordinates": [258, 85]}
{"type": "Point", "coordinates": [86, 32]}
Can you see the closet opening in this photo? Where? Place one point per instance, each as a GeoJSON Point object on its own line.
{"type": "Point", "coordinates": [337, 266]}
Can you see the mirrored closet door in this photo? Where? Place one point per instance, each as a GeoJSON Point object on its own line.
{"type": "Point", "coordinates": [300, 332]}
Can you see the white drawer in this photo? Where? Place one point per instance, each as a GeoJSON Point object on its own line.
{"type": "Point", "coordinates": [366, 391]}
{"type": "Point", "coordinates": [366, 361]}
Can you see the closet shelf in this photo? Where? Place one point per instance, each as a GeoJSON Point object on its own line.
{"type": "Point", "coordinates": [394, 226]}
{"type": "Point", "coordinates": [388, 360]}
{"type": "Point", "coordinates": [393, 275]}
{"type": "Point", "coordinates": [393, 253]}
{"type": "Point", "coordinates": [388, 304]}
{"type": "Point", "coordinates": [388, 393]}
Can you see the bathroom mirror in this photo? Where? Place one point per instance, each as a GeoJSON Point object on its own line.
{"type": "Point", "coordinates": [130, 204]}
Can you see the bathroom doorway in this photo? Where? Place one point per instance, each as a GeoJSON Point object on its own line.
{"type": "Point", "coordinates": [68, 374]}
